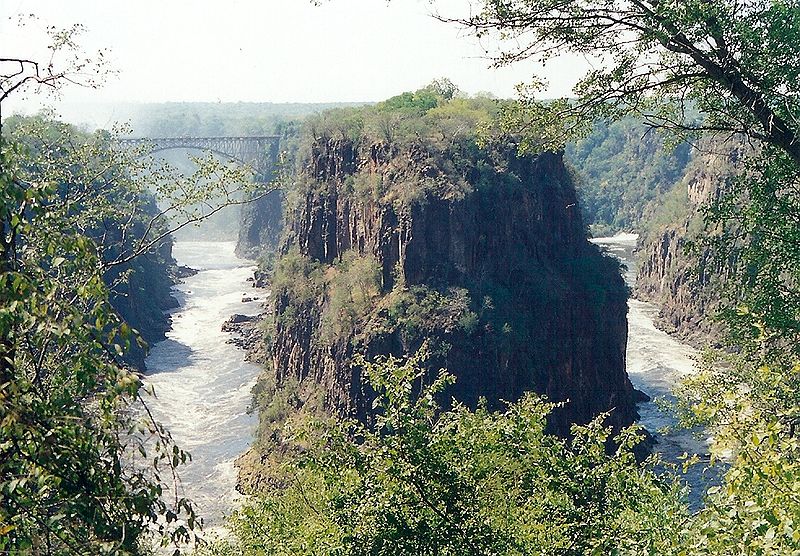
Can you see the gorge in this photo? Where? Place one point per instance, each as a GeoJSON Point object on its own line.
{"type": "Point", "coordinates": [420, 265]}
{"type": "Point", "coordinates": [389, 248]}
{"type": "Point", "coordinates": [247, 307]}
{"type": "Point", "coordinates": [203, 383]}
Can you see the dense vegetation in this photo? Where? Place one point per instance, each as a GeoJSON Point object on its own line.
{"type": "Point", "coordinates": [624, 171]}
{"type": "Point", "coordinates": [737, 63]}
{"type": "Point", "coordinates": [139, 289]}
{"type": "Point", "coordinates": [419, 480]}
{"type": "Point", "coordinates": [77, 473]}
{"type": "Point", "coordinates": [84, 468]}
{"type": "Point", "coordinates": [80, 471]}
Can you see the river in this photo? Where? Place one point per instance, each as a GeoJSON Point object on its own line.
{"type": "Point", "coordinates": [656, 362]}
{"type": "Point", "coordinates": [203, 383]}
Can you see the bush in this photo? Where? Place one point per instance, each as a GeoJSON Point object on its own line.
{"type": "Point", "coordinates": [419, 312]}
{"type": "Point", "coordinates": [353, 289]}
{"type": "Point", "coordinates": [298, 276]}
{"type": "Point", "coordinates": [425, 481]}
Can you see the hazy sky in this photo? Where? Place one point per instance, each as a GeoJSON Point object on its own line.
{"type": "Point", "coordinates": [271, 50]}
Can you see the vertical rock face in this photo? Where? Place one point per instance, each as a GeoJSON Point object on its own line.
{"type": "Point", "coordinates": [489, 263]}
{"type": "Point", "coordinates": [668, 276]}
{"type": "Point", "coordinates": [260, 226]}
{"type": "Point", "coordinates": [145, 297]}
{"type": "Point", "coordinates": [682, 282]}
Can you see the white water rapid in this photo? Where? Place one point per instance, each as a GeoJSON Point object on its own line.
{"type": "Point", "coordinates": [656, 362]}
{"type": "Point", "coordinates": [201, 382]}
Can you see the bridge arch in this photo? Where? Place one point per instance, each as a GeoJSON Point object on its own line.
{"type": "Point", "coordinates": [258, 152]}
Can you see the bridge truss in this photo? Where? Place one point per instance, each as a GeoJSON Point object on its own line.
{"type": "Point", "coordinates": [259, 153]}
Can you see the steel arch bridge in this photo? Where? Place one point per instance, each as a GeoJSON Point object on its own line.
{"type": "Point", "coordinates": [260, 153]}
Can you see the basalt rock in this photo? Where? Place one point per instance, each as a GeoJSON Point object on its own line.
{"type": "Point", "coordinates": [260, 226]}
{"type": "Point", "coordinates": [484, 260]}
{"type": "Point", "coordinates": [684, 282]}
{"type": "Point", "coordinates": [145, 298]}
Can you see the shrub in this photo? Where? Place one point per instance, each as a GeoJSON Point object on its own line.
{"type": "Point", "coordinates": [420, 480]}
{"type": "Point", "coordinates": [353, 289]}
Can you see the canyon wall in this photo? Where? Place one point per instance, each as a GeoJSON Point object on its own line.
{"type": "Point", "coordinates": [260, 226]}
{"type": "Point", "coordinates": [486, 264]}
{"type": "Point", "coordinates": [675, 270]}
{"type": "Point", "coordinates": [144, 298]}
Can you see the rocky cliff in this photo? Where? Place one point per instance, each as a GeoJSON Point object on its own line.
{"type": "Point", "coordinates": [472, 253]}
{"type": "Point", "coordinates": [668, 276]}
{"type": "Point", "coordinates": [675, 271]}
{"type": "Point", "coordinates": [493, 266]}
{"type": "Point", "coordinates": [260, 226]}
{"type": "Point", "coordinates": [143, 298]}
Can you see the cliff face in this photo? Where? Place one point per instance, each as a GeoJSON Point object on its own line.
{"type": "Point", "coordinates": [260, 226]}
{"type": "Point", "coordinates": [683, 281]}
{"type": "Point", "coordinates": [489, 264]}
{"type": "Point", "coordinates": [144, 298]}
{"type": "Point", "coordinates": [668, 276]}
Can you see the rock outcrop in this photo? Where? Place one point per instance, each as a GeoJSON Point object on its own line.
{"type": "Point", "coordinates": [144, 298]}
{"type": "Point", "coordinates": [487, 264]}
{"type": "Point", "coordinates": [684, 282]}
{"type": "Point", "coordinates": [260, 226]}
{"type": "Point", "coordinates": [668, 275]}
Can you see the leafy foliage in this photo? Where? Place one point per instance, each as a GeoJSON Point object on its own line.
{"type": "Point", "coordinates": [436, 113]}
{"type": "Point", "coordinates": [353, 290]}
{"type": "Point", "coordinates": [79, 470]}
{"type": "Point", "coordinates": [734, 62]}
{"type": "Point", "coordinates": [419, 312]}
{"type": "Point", "coordinates": [752, 409]}
{"type": "Point", "coordinates": [759, 238]}
{"type": "Point", "coordinates": [424, 481]}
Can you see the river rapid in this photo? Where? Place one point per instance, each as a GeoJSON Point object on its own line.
{"type": "Point", "coordinates": [202, 383]}
{"type": "Point", "coordinates": [656, 362]}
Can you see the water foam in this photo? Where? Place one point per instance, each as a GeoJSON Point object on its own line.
{"type": "Point", "coordinates": [203, 383]}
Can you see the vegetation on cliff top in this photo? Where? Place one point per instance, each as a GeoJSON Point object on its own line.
{"type": "Point", "coordinates": [451, 142]}
{"type": "Point", "coordinates": [436, 113]}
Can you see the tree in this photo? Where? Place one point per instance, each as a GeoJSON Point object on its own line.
{"type": "Point", "coordinates": [66, 64]}
{"type": "Point", "coordinates": [70, 411]}
{"type": "Point", "coordinates": [736, 61]}
{"type": "Point", "coordinates": [422, 481]}
{"type": "Point", "coordinates": [84, 468]}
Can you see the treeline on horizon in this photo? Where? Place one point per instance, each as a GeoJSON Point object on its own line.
{"type": "Point", "coordinates": [622, 169]}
